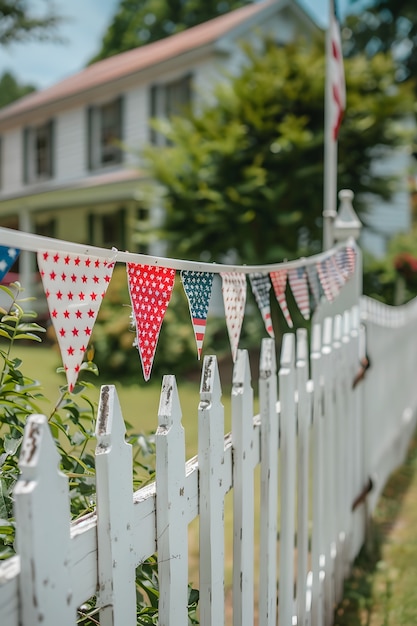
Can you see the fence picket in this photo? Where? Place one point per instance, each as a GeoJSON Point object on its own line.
{"type": "Point", "coordinates": [269, 484]}
{"type": "Point", "coordinates": [287, 480]}
{"type": "Point", "coordinates": [243, 492]}
{"type": "Point", "coordinates": [171, 519]}
{"type": "Point", "coordinates": [304, 422]}
{"type": "Point", "coordinates": [212, 491]}
{"type": "Point", "coordinates": [43, 540]}
{"type": "Point", "coordinates": [114, 491]}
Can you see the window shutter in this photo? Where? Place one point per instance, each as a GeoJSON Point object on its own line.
{"type": "Point", "coordinates": [52, 151]}
{"type": "Point", "coordinates": [153, 97]}
{"type": "Point", "coordinates": [120, 126]}
{"type": "Point", "coordinates": [90, 138]}
{"type": "Point", "coordinates": [26, 155]}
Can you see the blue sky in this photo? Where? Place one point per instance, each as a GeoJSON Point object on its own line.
{"type": "Point", "coordinates": [43, 64]}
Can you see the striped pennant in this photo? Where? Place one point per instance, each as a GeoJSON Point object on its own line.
{"type": "Point", "coordinates": [298, 282]}
{"type": "Point", "coordinates": [261, 286]}
{"type": "Point", "coordinates": [313, 281]}
{"type": "Point", "coordinates": [342, 263]}
{"type": "Point", "coordinates": [279, 283]}
{"type": "Point", "coordinates": [351, 260]}
{"type": "Point", "coordinates": [325, 279]}
{"type": "Point", "coordinates": [197, 287]}
{"type": "Point", "coordinates": [337, 276]}
{"type": "Point", "coordinates": [234, 298]}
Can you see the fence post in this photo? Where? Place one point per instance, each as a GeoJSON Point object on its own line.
{"type": "Point", "coordinates": [243, 492]}
{"type": "Point", "coordinates": [210, 464]}
{"type": "Point", "coordinates": [171, 523]}
{"type": "Point", "coordinates": [269, 484]}
{"type": "Point", "coordinates": [304, 423]}
{"type": "Point", "coordinates": [287, 482]}
{"type": "Point", "coordinates": [116, 570]}
{"type": "Point", "coordinates": [43, 531]}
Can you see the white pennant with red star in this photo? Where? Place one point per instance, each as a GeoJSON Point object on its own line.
{"type": "Point", "coordinates": [150, 289]}
{"type": "Point", "coordinates": [74, 285]}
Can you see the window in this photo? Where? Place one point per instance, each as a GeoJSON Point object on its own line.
{"type": "Point", "coordinates": [169, 99]}
{"type": "Point", "coordinates": [105, 134]}
{"type": "Point", "coordinates": [108, 229]}
{"type": "Point", "coordinates": [38, 149]}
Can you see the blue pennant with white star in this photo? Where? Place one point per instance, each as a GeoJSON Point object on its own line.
{"type": "Point", "coordinates": [197, 287]}
{"type": "Point", "coordinates": [7, 257]}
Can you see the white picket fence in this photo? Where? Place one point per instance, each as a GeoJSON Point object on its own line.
{"type": "Point", "coordinates": [325, 450]}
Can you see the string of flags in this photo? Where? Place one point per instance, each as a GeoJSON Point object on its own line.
{"type": "Point", "coordinates": [75, 285]}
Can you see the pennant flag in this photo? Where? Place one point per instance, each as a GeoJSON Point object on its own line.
{"type": "Point", "coordinates": [337, 77]}
{"type": "Point", "coordinates": [279, 283]}
{"type": "Point", "coordinates": [298, 282]}
{"type": "Point", "coordinates": [327, 279]}
{"type": "Point", "coordinates": [342, 263]}
{"type": "Point", "coordinates": [74, 285]}
{"type": "Point", "coordinates": [261, 286]}
{"type": "Point", "coordinates": [8, 256]}
{"type": "Point", "coordinates": [313, 281]}
{"type": "Point", "coordinates": [234, 298]}
{"type": "Point", "coordinates": [150, 289]}
{"type": "Point", "coordinates": [197, 287]}
{"type": "Point", "coordinates": [336, 274]}
{"type": "Point", "coordinates": [351, 260]}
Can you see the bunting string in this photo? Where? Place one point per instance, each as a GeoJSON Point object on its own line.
{"type": "Point", "coordinates": [75, 279]}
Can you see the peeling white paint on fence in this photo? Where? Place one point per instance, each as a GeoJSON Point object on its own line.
{"type": "Point", "coordinates": [326, 445]}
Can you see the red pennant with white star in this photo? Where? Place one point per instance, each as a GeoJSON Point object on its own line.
{"type": "Point", "coordinates": [234, 298]}
{"type": "Point", "coordinates": [150, 289]}
{"type": "Point", "coordinates": [74, 285]}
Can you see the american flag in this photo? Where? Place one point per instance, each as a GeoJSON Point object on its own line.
{"type": "Point", "coordinates": [197, 287]}
{"type": "Point", "coordinates": [313, 281]}
{"type": "Point", "coordinates": [298, 282]}
{"type": "Point", "coordinates": [337, 76]}
{"type": "Point", "coordinates": [326, 279]}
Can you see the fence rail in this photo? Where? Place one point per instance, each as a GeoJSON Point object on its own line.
{"type": "Point", "coordinates": [345, 415]}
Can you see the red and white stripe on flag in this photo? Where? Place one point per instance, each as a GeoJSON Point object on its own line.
{"type": "Point", "coordinates": [337, 77]}
{"type": "Point", "coordinates": [279, 283]}
{"type": "Point", "coordinates": [298, 282]}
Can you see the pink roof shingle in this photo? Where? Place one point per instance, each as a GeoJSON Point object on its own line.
{"type": "Point", "coordinates": [135, 60]}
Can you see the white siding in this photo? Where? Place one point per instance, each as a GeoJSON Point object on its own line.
{"type": "Point", "coordinates": [12, 162]}
{"type": "Point", "coordinates": [70, 145]}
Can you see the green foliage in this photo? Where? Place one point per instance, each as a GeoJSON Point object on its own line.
{"type": "Point", "coordinates": [246, 174]}
{"type": "Point", "coordinates": [19, 22]}
{"type": "Point", "coordinates": [139, 22]}
{"type": "Point", "coordinates": [11, 90]}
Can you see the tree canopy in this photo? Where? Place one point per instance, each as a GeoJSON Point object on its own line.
{"type": "Point", "coordinates": [19, 22]}
{"type": "Point", "coordinates": [247, 173]}
{"type": "Point", "coordinates": [11, 89]}
{"type": "Point", "coordinates": [139, 22]}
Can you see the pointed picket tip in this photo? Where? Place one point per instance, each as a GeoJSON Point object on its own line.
{"type": "Point", "coordinates": [210, 386]}
{"type": "Point", "coordinates": [268, 361]}
{"type": "Point", "coordinates": [241, 371]}
{"type": "Point", "coordinates": [327, 332]}
{"type": "Point", "coordinates": [337, 328]}
{"type": "Point", "coordinates": [302, 347]}
{"type": "Point", "coordinates": [169, 412]}
{"type": "Point", "coordinates": [38, 453]}
{"type": "Point", "coordinates": [316, 339]}
{"type": "Point", "coordinates": [110, 423]}
{"type": "Point", "coordinates": [346, 324]}
{"type": "Point", "coordinates": [287, 350]}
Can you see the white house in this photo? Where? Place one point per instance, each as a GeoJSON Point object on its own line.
{"type": "Point", "coordinates": [62, 172]}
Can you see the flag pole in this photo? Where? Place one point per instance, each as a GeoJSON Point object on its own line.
{"type": "Point", "coordinates": [330, 144]}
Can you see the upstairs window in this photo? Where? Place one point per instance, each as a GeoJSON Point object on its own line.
{"type": "Point", "coordinates": [38, 152]}
{"type": "Point", "coordinates": [169, 99]}
{"type": "Point", "coordinates": [105, 134]}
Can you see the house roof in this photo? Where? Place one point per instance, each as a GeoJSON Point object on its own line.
{"type": "Point", "coordinates": [138, 59]}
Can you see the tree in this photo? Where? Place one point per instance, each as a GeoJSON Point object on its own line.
{"type": "Point", "coordinates": [11, 90]}
{"type": "Point", "coordinates": [383, 26]}
{"type": "Point", "coordinates": [18, 22]}
{"type": "Point", "coordinates": [246, 175]}
{"type": "Point", "coordinates": [139, 22]}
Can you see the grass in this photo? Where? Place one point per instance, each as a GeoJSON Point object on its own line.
{"type": "Point", "coordinates": [382, 588]}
